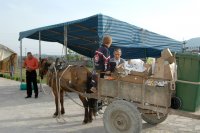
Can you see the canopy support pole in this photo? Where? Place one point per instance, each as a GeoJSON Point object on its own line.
{"type": "Point", "coordinates": [39, 46]}
{"type": "Point", "coordinates": [21, 61]}
{"type": "Point", "coordinates": [40, 59]}
{"type": "Point", "coordinates": [65, 43]}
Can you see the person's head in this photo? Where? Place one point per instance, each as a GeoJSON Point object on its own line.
{"type": "Point", "coordinates": [117, 53]}
{"type": "Point", "coordinates": [29, 55]}
{"type": "Point", "coordinates": [107, 40]}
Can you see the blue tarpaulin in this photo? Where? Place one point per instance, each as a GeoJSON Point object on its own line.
{"type": "Point", "coordinates": [84, 36]}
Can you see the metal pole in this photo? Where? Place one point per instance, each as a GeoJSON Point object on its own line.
{"type": "Point", "coordinates": [25, 52]}
{"type": "Point", "coordinates": [39, 46]}
{"type": "Point", "coordinates": [21, 60]}
{"type": "Point", "coordinates": [183, 49]}
{"type": "Point", "coordinates": [65, 42]}
{"type": "Point", "coordinates": [40, 59]}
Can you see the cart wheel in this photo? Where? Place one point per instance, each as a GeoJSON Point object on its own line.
{"type": "Point", "coordinates": [153, 119]}
{"type": "Point", "coordinates": [176, 102]}
{"type": "Point", "coordinates": [122, 117]}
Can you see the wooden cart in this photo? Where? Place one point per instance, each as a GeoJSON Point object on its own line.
{"type": "Point", "coordinates": [133, 98]}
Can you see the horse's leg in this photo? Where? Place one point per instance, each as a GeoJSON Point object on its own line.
{"type": "Point", "coordinates": [94, 106]}
{"type": "Point", "coordinates": [91, 109]}
{"type": "Point", "coordinates": [85, 104]}
{"type": "Point", "coordinates": [56, 101]}
{"type": "Point", "coordinates": [62, 102]}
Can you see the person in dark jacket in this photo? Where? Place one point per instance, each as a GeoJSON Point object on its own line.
{"type": "Point", "coordinates": [102, 56]}
{"type": "Point", "coordinates": [101, 62]}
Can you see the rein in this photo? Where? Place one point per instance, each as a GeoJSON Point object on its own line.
{"type": "Point", "coordinates": [58, 89]}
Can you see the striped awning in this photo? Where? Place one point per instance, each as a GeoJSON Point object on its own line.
{"type": "Point", "coordinates": [84, 36]}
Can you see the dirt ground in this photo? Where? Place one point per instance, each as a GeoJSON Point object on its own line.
{"type": "Point", "coordinates": [20, 115]}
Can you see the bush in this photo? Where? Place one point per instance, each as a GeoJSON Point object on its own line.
{"type": "Point", "coordinates": [17, 78]}
{"type": "Point", "coordinates": [1, 75]}
{"type": "Point", "coordinates": [23, 80]}
{"type": "Point", "coordinates": [5, 76]}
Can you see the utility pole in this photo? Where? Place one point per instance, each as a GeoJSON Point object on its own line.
{"type": "Point", "coordinates": [183, 48]}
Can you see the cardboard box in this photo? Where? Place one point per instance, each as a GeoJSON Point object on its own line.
{"type": "Point", "coordinates": [159, 68]}
{"type": "Point", "coordinates": [167, 56]}
{"type": "Point", "coordinates": [168, 72]}
{"type": "Point", "coordinates": [164, 70]}
{"type": "Point", "coordinates": [166, 53]}
{"type": "Point", "coordinates": [171, 59]}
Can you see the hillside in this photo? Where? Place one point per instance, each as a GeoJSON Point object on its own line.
{"type": "Point", "coordinates": [194, 42]}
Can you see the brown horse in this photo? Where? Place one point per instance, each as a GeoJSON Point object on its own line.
{"type": "Point", "coordinates": [77, 78]}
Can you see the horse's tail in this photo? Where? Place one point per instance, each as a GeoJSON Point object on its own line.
{"type": "Point", "coordinates": [89, 80]}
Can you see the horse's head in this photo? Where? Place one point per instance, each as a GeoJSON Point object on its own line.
{"type": "Point", "coordinates": [43, 67]}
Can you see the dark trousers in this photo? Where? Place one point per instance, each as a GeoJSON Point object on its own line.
{"type": "Point", "coordinates": [31, 77]}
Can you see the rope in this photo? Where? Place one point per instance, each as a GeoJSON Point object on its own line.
{"type": "Point", "coordinates": [62, 54]}
{"type": "Point", "coordinates": [74, 101]}
{"type": "Point", "coordinates": [58, 88]}
{"type": "Point", "coordinates": [189, 82]}
{"type": "Point", "coordinates": [82, 94]}
{"type": "Point", "coordinates": [58, 93]}
{"type": "Point", "coordinates": [42, 89]}
{"type": "Point", "coordinates": [82, 105]}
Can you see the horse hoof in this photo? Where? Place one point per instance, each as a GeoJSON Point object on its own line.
{"type": "Point", "coordinates": [84, 122]}
{"type": "Point", "coordinates": [54, 116]}
{"type": "Point", "coordinates": [89, 121]}
{"type": "Point", "coordinates": [62, 113]}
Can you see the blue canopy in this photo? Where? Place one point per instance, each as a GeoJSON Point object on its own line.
{"type": "Point", "coordinates": [84, 36]}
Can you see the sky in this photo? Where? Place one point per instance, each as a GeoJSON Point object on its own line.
{"type": "Point", "coordinates": [177, 19]}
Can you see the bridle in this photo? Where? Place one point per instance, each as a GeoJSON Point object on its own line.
{"type": "Point", "coordinates": [43, 68]}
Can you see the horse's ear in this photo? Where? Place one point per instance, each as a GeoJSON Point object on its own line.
{"type": "Point", "coordinates": [49, 63]}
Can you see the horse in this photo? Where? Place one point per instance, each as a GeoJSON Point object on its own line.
{"type": "Point", "coordinates": [65, 79]}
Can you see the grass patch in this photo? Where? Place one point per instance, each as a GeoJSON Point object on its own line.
{"type": "Point", "coordinates": [17, 74]}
